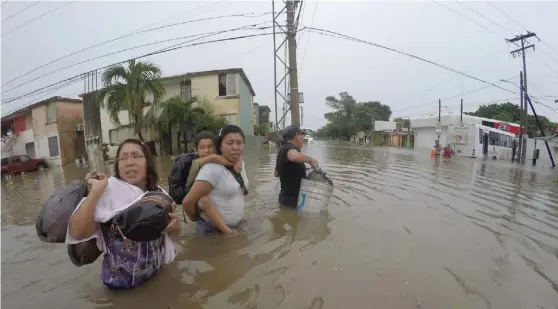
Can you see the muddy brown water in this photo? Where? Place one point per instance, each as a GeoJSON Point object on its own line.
{"type": "Point", "coordinates": [402, 230]}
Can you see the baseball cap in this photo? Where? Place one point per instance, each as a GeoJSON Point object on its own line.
{"type": "Point", "coordinates": [291, 132]}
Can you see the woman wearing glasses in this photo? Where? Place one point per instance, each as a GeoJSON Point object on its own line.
{"type": "Point", "coordinates": [222, 185]}
{"type": "Point", "coordinates": [127, 263]}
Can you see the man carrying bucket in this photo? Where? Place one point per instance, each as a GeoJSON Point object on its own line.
{"type": "Point", "coordinates": [289, 166]}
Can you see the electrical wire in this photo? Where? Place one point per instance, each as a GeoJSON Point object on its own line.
{"type": "Point", "coordinates": [20, 11]}
{"type": "Point", "coordinates": [132, 34]}
{"type": "Point", "coordinates": [60, 87]}
{"type": "Point", "coordinates": [138, 57]}
{"type": "Point", "coordinates": [471, 20]}
{"type": "Point", "coordinates": [484, 16]}
{"type": "Point", "coordinates": [308, 39]}
{"type": "Point", "coordinates": [346, 37]}
{"type": "Point", "coordinates": [38, 17]}
{"type": "Point", "coordinates": [200, 36]}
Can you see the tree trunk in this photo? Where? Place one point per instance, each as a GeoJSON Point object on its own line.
{"type": "Point", "coordinates": [185, 130]}
{"type": "Point", "coordinates": [178, 139]}
{"type": "Point", "coordinates": [169, 129]}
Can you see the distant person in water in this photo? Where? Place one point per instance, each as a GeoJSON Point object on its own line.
{"type": "Point", "coordinates": [448, 152]}
{"type": "Point", "coordinates": [437, 147]}
{"type": "Point", "coordinates": [289, 166]}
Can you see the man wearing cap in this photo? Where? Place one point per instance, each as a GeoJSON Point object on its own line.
{"type": "Point", "coordinates": [289, 166]}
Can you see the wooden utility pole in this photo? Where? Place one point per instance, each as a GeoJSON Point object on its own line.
{"type": "Point", "coordinates": [523, 118]}
{"type": "Point", "coordinates": [439, 125]}
{"type": "Point", "coordinates": [461, 112]}
{"type": "Point", "coordinates": [521, 127]}
{"type": "Point", "coordinates": [293, 71]}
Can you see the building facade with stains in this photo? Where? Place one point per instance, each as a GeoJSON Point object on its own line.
{"type": "Point", "coordinates": [51, 129]}
{"type": "Point", "coordinates": [226, 92]}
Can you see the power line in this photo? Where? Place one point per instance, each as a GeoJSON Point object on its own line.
{"type": "Point", "coordinates": [129, 35]}
{"type": "Point", "coordinates": [501, 11]}
{"type": "Point", "coordinates": [20, 11]}
{"type": "Point", "coordinates": [65, 85]}
{"type": "Point", "coordinates": [483, 16]}
{"type": "Point", "coordinates": [200, 36]}
{"type": "Point", "coordinates": [308, 39]}
{"type": "Point", "coordinates": [38, 17]}
{"type": "Point", "coordinates": [346, 37]}
{"type": "Point", "coordinates": [138, 57]}
{"type": "Point", "coordinates": [471, 20]}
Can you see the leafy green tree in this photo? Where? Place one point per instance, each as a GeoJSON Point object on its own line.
{"type": "Point", "coordinates": [177, 111]}
{"type": "Point", "coordinates": [349, 117]}
{"type": "Point", "coordinates": [126, 88]}
{"type": "Point", "coordinates": [509, 112]}
{"type": "Point", "coordinates": [406, 123]}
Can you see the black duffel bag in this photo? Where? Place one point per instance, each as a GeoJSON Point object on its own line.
{"type": "Point", "coordinates": [146, 219]}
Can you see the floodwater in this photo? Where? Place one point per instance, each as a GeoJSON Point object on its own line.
{"type": "Point", "coordinates": [403, 230]}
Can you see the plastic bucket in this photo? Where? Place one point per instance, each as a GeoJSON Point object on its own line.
{"type": "Point", "coordinates": [314, 196]}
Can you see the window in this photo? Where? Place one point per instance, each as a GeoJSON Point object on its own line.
{"type": "Point", "coordinates": [227, 84]}
{"type": "Point", "coordinates": [15, 159]}
{"type": "Point", "coordinates": [51, 112]}
{"type": "Point", "coordinates": [23, 158]}
{"type": "Point", "coordinates": [186, 89]}
{"type": "Point", "coordinates": [53, 146]}
{"type": "Point", "coordinates": [493, 138]}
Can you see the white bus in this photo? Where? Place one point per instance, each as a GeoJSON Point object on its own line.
{"type": "Point", "coordinates": [478, 141]}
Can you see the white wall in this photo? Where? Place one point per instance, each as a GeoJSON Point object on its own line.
{"type": "Point", "coordinates": [425, 137]}
{"type": "Point", "coordinates": [384, 125]}
{"type": "Point", "coordinates": [42, 150]}
{"type": "Point", "coordinates": [18, 143]}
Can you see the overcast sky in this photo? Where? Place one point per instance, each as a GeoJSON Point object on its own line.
{"type": "Point", "coordinates": [473, 44]}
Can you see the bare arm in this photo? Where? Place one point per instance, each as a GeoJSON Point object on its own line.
{"type": "Point", "coordinates": [299, 157]}
{"type": "Point", "coordinates": [82, 223]}
{"type": "Point", "coordinates": [199, 189]}
{"type": "Point", "coordinates": [214, 215]}
{"type": "Point", "coordinates": [215, 158]}
{"type": "Point", "coordinates": [174, 226]}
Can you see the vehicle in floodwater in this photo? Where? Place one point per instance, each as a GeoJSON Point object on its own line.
{"type": "Point", "coordinates": [479, 141]}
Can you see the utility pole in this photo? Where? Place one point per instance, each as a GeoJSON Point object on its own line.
{"type": "Point", "coordinates": [523, 39]}
{"type": "Point", "coordinates": [461, 112]}
{"type": "Point", "coordinates": [293, 71]}
{"type": "Point", "coordinates": [521, 127]}
{"type": "Point", "coordinates": [439, 124]}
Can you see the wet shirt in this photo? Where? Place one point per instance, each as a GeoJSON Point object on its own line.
{"type": "Point", "coordinates": [290, 175]}
{"type": "Point", "coordinates": [227, 194]}
{"type": "Point", "coordinates": [126, 263]}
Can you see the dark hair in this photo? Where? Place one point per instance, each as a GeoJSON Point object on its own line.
{"type": "Point", "coordinates": [203, 135]}
{"type": "Point", "coordinates": [226, 130]}
{"type": "Point", "coordinates": [151, 176]}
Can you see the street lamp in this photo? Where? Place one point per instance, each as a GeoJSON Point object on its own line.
{"type": "Point", "coordinates": [507, 81]}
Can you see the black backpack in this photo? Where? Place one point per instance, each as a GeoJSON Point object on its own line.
{"type": "Point", "coordinates": [54, 216]}
{"type": "Point", "coordinates": [179, 175]}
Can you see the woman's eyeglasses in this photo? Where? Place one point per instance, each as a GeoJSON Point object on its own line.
{"type": "Point", "coordinates": [134, 157]}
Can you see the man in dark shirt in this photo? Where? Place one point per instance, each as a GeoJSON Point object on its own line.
{"type": "Point", "coordinates": [290, 167]}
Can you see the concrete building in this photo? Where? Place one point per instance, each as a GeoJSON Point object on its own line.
{"type": "Point", "coordinates": [51, 129]}
{"type": "Point", "coordinates": [263, 114]}
{"type": "Point", "coordinates": [225, 92]}
{"type": "Point", "coordinates": [256, 114]}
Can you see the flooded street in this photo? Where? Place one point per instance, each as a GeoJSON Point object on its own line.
{"type": "Point", "coordinates": [403, 230]}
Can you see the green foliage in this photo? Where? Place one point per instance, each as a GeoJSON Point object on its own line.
{"type": "Point", "coordinates": [405, 123]}
{"type": "Point", "coordinates": [262, 129]}
{"type": "Point", "coordinates": [349, 116]}
{"type": "Point", "coordinates": [126, 88]}
{"type": "Point", "coordinates": [509, 112]}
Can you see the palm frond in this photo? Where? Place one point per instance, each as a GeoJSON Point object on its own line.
{"type": "Point", "coordinates": [114, 74]}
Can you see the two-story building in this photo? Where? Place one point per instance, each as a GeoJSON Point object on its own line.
{"type": "Point", "coordinates": [226, 92]}
{"type": "Point", "coordinates": [51, 129]}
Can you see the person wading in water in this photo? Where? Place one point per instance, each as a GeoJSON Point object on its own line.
{"type": "Point", "coordinates": [289, 166]}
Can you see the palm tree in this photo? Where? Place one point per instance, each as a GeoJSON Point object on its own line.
{"type": "Point", "coordinates": [126, 88]}
{"type": "Point", "coordinates": [181, 112]}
